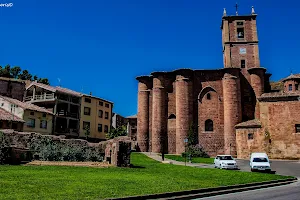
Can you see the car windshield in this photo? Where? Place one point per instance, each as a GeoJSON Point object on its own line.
{"type": "Point", "coordinates": [260, 160]}
{"type": "Point", "coordinates": [226, 158]}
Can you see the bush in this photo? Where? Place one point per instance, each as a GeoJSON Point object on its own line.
{"type": "Point", "coordinates": [195, 151]}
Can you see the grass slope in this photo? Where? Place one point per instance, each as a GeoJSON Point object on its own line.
{"type": "Point", "coordinates": [194, 160]}
{"type": "Point", "coordinates": [149, 176]}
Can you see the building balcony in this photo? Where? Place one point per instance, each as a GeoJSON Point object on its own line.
{"type": "Point", "coordinates": [63, 113]}
{"type": "Point", "coordinates": [40, 98]}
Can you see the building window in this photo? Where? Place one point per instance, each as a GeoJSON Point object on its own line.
{"type": "Point", "coordinates": [100, 103]}
{"type": "Point", "coordinates": [290, 87]}
{"type": "Point", "coordinates": [208, 96]}
{"type": "Point", "coordinates": [240, 23]}
{"type": "Point", "coordinates": [243, 63]}
{"type": "Point", "coordinates": [1, 124]}
{"type": "Point", "coordinates": [30, 123]}
{"type": "Point", "coordinates": [87, 111]}
{"type": "Point", "coordinates": [86, 126]}
{"type": "Point", "coordinates": [297, 126]}
{"type": "Point", "coordinates": [107, 105]}
{"type": "Point", "coordinates": [88, 100]}
{"type": "Point", "coordinates": [240, 33]}
{"type": "Point", "coordinates": [44, 114]}
{"type": "Point", "coordinates": [99, 127]}
{"type": "Point", "coordinates": [172, 116]}
{"type": "Point", "coordinates": [100, 113]}
{"type": "Point", "coordinates": [247, 99]}
{"type": "Point", "coordinates": [2, 104]}
{"type": "Point", "coordinates": [250, 136]}
{"type": "Point", "coordinates": [105, 129]}
{"type": "Point", "coordinates": [32, 113]}
{"type": "Point", "coordinates": [296, 87]}
{"type": "Point", "coordinates": [209, 125]}
{"type": "Point", "coordinates": [106, 115]}
{"type": "Point", "coordinates": [14, 126]}
{"type": "Point", "coordinates": [43, 124]}
{"type": "Point", "coordinates": [133, 131]}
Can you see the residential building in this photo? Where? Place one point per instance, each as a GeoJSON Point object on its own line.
{"type": "Point", "coordinates": [10, 121]}
{"type": "Point", "coordinates": [64, 103]}
{"type": "Point", "coordinates": [118, 120]}
{"type": "Point", "coordinates": [75, 113]}
{"type": "Point", "coordinates": [96, 117]}
{"type": "Point", "coordinates": [37, 119]}
{"type": "Point", "coordinates": [13, 88]}
{"type": "Point", "coordinates": [132, 127]}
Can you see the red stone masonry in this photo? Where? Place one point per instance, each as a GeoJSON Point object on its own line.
{"type": "Point", "coordinates": [232, 108]}
{"type": "Point", "coordinates": [143, 114]}
{"type": "Point", "coordinates": [159, 118]}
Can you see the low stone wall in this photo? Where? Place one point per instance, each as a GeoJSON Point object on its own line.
{"type": "Point", "coordinates": [57, 148]}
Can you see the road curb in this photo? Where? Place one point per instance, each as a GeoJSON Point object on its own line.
{"type": "Point", "coordinates": [206, 192]}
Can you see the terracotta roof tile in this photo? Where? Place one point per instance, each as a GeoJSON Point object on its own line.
{"type": "Point", "coordinates": [280, 94]}
{"type": "Point", "coordinates": [25, 105]}
{"type": "Point", "coordinates": [292, 76]}
{"type": "Point", "coordinates": [254, 123]}
{"type": "Point", "coordinates": [7, 116]}
{"type": "Point", "coordinates": [132, 117]}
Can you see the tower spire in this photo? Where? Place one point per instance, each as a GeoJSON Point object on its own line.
{"type": "Point", "coordinates": [224, 12]}
{"type": "Point", "coordinates": [236, 9]}
{"type": "Point", "coordinates": [252, 10]}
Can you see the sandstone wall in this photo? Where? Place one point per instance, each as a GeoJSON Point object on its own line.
{"type": "Point", "coordinates": [277, 137]}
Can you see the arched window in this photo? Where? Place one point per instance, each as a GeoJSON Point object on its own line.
{"type": "Point", "coordinates": [209, 125]}
{"type": "Point", "coordinates": [208, 97]}
{"type": "Point", "coordinates": [172, 116]}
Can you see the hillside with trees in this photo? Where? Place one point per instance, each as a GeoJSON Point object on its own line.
{"type": "Point", "coordinates": [17, 73]}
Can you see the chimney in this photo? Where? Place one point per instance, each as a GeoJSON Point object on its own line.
{"type": "Point", "coordinates": [91, 93]}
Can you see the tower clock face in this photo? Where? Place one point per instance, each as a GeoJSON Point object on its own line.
{"type": "Point", "coordinates": [243, 51]}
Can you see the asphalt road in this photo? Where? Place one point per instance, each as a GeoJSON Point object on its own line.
{"type": "Point", "coordinates": [288, 168]}
{"type": "Point", "coordinates": [285, 192]}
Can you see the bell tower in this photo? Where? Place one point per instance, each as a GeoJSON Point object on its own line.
{"type": "Point", "coordinates": [239, 41]}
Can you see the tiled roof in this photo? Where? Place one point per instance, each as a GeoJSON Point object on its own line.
{"type": "Point", "coordinates": [280, 94]}
{"type": "Point", "coordinates": [132, 117]}
{"type": "Point", "coordinates": [68, 91]}
{"type": "Point", "coordinates": [12, 79]}
{"type": "Point", "coordinates": [41, 85]}
{"type": "Point", "coordinates": [65, 90]}
{"type": "Point", "coordinates": [7, 116]}
{"type": "Point", "coordinates": [254, 123]}
{"type": "Point", "coordinates": [292, 76]}
{"type": "Point", "coordinates": [26, 106]}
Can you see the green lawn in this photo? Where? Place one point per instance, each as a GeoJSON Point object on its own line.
{"type": "Point", "coordinates": [148, 176]}
{"type": "Point", "coordinates": [194, 160]}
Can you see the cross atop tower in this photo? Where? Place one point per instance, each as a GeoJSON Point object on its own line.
{"type": "Point", "coordinates": [236, 9]}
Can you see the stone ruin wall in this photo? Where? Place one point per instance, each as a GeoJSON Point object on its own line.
{"type": "Point", "coordinates": [116, 150]}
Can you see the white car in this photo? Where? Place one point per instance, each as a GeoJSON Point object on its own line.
{"type": "Point", "coordinates": [225, 162]}
{"type": "Point", "coordinates": [260, 162]}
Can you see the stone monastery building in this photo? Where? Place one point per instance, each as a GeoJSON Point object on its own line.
{"type": "Point", "coordinates": [233, 108]}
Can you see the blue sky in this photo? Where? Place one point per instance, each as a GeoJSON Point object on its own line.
{"type": "Point", "coordinates": [101, 46]}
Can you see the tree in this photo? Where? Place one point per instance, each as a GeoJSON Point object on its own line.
{"type": "Point", "coordinates": [15, 71]}
{"type": "Point", "coordinates": [6, 72]}
{"type": "Point", "coordinates": [44, 81]}
{"type": "Point", "coordinates": [35, 78]}
{"type": "Point", "coordinates": [25, 75]}
{"type": "Point", "coordinates": [116, 132]}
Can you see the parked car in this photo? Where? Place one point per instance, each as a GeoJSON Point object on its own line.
{"type": "Point", "coordinates": [260, 162]}
{"type": "Point", "coordinates": [225, 162]}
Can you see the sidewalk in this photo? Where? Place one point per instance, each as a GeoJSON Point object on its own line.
{"type": "Point", "coordinates": [156, 156]}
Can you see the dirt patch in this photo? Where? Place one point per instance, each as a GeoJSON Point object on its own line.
{"type": "Point", "coordinates": [74, 164]}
